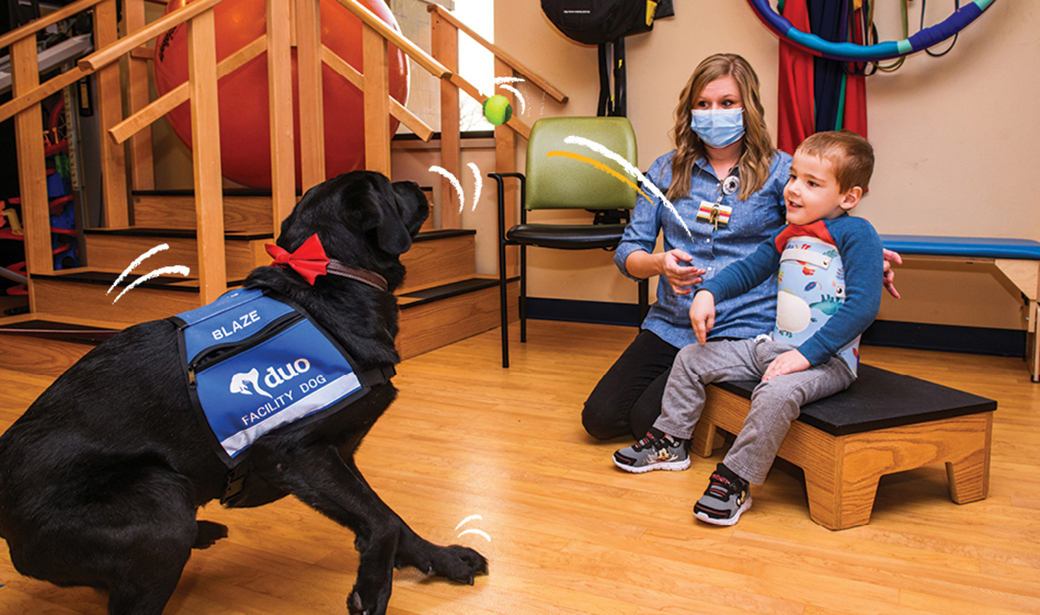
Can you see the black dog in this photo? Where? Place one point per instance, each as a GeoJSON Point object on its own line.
{"type": "Point", "coordinates": [101, 478]}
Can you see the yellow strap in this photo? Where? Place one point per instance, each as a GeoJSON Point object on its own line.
{"type": "Point", "coordinates": [651, 9]}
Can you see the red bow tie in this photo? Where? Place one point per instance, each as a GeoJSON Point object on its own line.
{"type": "Point", "coordinates": [309, 260]}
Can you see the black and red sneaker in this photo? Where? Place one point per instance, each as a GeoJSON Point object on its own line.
{"type": "Point", "coordinates": [726, 497]}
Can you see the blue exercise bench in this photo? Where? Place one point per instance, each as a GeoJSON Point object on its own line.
{"type": "Point", "coordinates": [1018, 260]}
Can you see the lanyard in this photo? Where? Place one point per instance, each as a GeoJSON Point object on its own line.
{"type": "Point", "coordinates": [716, 213]}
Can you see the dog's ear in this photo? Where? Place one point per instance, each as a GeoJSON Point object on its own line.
{"type": "Point", "coordinates": [412, 203]}
{"type": "Point", "coordinates": [398, 210]}
{"type": "Point", "coordinates": [384, 217]}
{"type": "Point", "coordinates": [393, 236]}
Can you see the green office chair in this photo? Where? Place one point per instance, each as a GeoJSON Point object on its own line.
{"type": "Point", "coordinates": [568, 176]}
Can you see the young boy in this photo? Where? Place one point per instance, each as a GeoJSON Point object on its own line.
{"type": "Point", "coordinates": [829, 265]}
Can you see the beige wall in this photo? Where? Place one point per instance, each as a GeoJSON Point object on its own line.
{"type": "Point", "coordinates": [956, 137]}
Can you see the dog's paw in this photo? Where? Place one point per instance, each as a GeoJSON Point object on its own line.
{"type": "Point", "coordinates": [458, 563]}
{"type": "Point", "coordinates": [370, 605]}
{"type": "Point", "coordinates": [354, 606]}
{"type": "Point", "coordinates": [209, 533]}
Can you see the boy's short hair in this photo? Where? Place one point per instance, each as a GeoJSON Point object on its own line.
{"type": "Point", "coordinates": [850, 155]}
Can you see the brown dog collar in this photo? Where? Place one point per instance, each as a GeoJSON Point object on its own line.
{"type": "Point", "coordinates": [364, 276]}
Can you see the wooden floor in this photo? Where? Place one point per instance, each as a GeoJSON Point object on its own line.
{"type": "Point", "coordinates": [569, 533]}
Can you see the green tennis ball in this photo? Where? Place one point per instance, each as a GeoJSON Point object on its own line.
{"type": "Point", "coordinates": [497, 109]}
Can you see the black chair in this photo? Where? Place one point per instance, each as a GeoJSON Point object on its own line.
{"type": "Point", "coordinates": [563, 175]}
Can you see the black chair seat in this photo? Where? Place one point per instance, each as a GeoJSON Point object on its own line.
{"type": "Point", "coordinates": [567, 236]}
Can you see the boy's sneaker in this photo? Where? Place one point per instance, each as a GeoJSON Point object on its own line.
{"type": "Point", "coordinates": [654, 452]}
{"type": "Point", "coordinates": [726, 498]}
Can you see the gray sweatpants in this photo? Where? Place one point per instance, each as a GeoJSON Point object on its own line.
{"type": "Point", "coordinates": [774, 404]}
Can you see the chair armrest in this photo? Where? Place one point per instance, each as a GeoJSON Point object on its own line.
{"type": "Point", "coordinates": [499, 179]}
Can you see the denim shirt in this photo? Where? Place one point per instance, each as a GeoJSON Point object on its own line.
{"type": "Point", "coordinates": [751, 222]}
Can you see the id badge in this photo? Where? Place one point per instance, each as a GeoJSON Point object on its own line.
{"type": "Point", "coordinates": [714, 213]}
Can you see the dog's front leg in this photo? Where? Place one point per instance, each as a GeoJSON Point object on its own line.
{"type": "Point", "coordinates": [320, 479]}
{"type": "Point", "coordinates": [455, 562]}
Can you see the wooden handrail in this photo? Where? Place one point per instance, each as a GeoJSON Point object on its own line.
{"type": "Point", "coordinates": [50, 19]}
{"type": "Point", "coordinates": [399, 111]}
{"type": "Point", "coordinates": [515, 64]}
{"type": "Point", "coordinates": [179, 95]}
{"type": "Point", "coordinates": [55, 84]}
{"type": "Point", "coordinates": [421, 58]}
{"type": "Point", "coordinates": [111, 53]}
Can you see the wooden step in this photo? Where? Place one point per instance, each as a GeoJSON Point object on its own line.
{"type": "Point", "coordinates": [83, 294]}
{"type": "Point", "coordinates": [439, 256]}
{"type": "Point", "coordinates": [245, 211]}
{"type": "Point", "coordinates": [45, 346]}
{"type": "Point", "coordinates": [442, 315]}
{"type": "Point", "coordinates": [115, 249]}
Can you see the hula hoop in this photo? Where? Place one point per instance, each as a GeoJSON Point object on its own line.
{"type": "Point", "coordinates": [850, 52]}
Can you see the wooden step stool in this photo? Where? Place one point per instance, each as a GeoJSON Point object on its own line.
{"type": "Point", "coordinates": [883, 423]}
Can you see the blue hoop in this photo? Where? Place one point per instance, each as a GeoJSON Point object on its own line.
{"type": "Point", "coordinates": [850, 52]}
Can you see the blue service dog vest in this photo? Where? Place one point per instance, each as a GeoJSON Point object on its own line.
{"type": "Point", "coordinates": [255, 363]}
{"type": "Point", "coordinates": [811, 289]}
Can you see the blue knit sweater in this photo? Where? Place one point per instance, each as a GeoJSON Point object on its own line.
{"type": "Point", "coordinates": [862, 256]}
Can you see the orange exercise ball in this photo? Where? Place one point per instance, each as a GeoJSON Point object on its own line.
{"type": "Point", "coordinates": [245, 143]}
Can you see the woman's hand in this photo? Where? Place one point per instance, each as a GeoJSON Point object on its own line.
{"type": "Point", "coordinates": [890, 276]}
{"type": "Point", "coordinates": [702, 314]}
{"type": "Point", "coordinates": [788, 363]}
{"type": "Point", "coordinates": [680, 276]}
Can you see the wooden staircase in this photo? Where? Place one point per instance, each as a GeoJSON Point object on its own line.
{"type": "Point", "coordinates": [442, 300]}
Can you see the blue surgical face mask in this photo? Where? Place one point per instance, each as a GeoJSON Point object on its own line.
{"type": "Point", "coordinates": [718, 127]}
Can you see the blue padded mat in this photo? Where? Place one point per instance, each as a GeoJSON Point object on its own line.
{"type": "Point", "coordinates": [978, 247]}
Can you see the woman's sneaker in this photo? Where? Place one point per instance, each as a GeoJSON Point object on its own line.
{"type": "Point", "coordinates": [726, 498]}
{"type": "Point", "coordinates": [654, 452]}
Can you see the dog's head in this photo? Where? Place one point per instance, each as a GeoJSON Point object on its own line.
{"type": "Point", "coordinates": [362, 219]}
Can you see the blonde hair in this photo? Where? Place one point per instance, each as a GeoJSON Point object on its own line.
{"type": "Point", "coordinates": [757, 148]}
{"type": "Point", "coordinates": [851, 156]}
